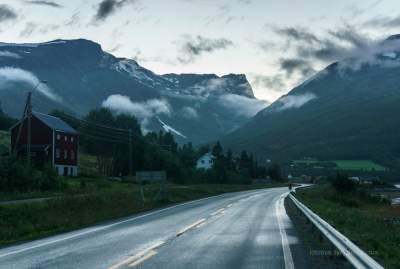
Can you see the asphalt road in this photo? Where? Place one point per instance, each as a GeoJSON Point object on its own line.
{"type": "Point", "coordinates": [236, 230]}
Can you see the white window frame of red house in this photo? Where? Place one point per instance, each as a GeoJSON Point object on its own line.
{"type": "Point", "coordinates": [58, 136]}
{"type": "Point", "coordinates": [58, 153]}
{"type": "Point", "coordinates": [65, 154]}
{"type": "Point", "coordinates": [72, 155]}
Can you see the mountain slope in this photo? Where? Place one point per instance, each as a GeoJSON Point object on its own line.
{"type": "Point", "coordinates": [342, 112]}
{"type": "Point", "coordinates": [81, 76]}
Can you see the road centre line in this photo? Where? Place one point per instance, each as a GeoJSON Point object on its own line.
{"type": "Point", "coordinates": [187, 228]}
{"type": "Point", "coordinates": [139, 256]}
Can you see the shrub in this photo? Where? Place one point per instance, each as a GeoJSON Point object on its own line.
{"type": "Point", "coordinates": [49, 179]}
{"type": "Point", "coordinates": [342, 183]}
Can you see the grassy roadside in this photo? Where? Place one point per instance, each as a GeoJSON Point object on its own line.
{"type": "Point", "coordinates": [372, 225]}
{"type": "Point", "coordinates": [29, 221]}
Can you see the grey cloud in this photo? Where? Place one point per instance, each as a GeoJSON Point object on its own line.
{"type": "Point", "coordinates": [292, 101]}
{"type": "Point", "coordinates": [17, 75]}
{"type": "Point", "coordinates": [44, 3]}
{"type": "Point", "coordinates": [383, 22]}
{"type": "Point", "coordinates": [246, 2]}
{"type": "Point", "coordinates": [189, 113]}
{"type": "Point", "coordinates": [192, 48]}
{"type": "Point", "coordinates": [74, 20]}
{"type": "Point", "coordinates": [296, 34]}
{"type": "Point", "coordinates": [7, 13]}
{"type": "Point", "coordinates": [242, 106]}
{"type": "Point", "coordinates": [224, 13]}
{"type": "Point", "coordinates": [108, 7]}
{"type": "Point", "coordinates": [275, 82]}
{"type": "Point", "coordinates": [292, 65]}
{"type": "Point", "coordinates": [351, 36]}
{"type": "Point", "coordinates": [144, 111]}
{"type": "Point", "coordinates": [356, 10]}
{"type": "Point", "coordinates": [30, 27]}
{"type": "Point", "coordinates": [346, 44]}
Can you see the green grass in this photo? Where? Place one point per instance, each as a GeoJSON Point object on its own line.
{"type": "Point", "coordinates": [87, 164]}
{"type": "Point", "coordinates": [356, 165]}
{"type": "Point", "coordinates": [73, 186]}
{"type": "Point", "coordinates": [4, 142]}
{"type": "Point", "coordinates": [5, 138]}
{"type": "Point", "coordinates": [364, 165]}
{"type": "Point", "coordinates": [367, 222]}
{"type": "Point", "coordinates": [305, 162]}
{"type": "Point", "coordinates": [29, 221]}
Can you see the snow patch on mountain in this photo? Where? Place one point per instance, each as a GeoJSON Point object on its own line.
{"type": "Point", "coordinates": [133, 69]}
{"type": "Point", "coordinates": [169, 129]}
{"type": "Point", "coordinates": [9, 54]}
{"type": "Point", "coordinates": [391, 55]}
{"type": "Point", "coordinates": [32, 45]}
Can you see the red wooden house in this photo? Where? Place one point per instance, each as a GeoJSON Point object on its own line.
{"type": "Point", "coordinates": [52, 141]}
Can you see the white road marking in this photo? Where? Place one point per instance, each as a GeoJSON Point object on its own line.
{"type": "Point", "coordinates": [187, 228]}
{"type": "Point", "coordinates": [228, 206]}
{"type": "Point", "coordinates": [92, 230]}
{"type": "Point", "coordinates": [144, 258]}
{"type": "Point", "coordinates": [280, 213]}
{"type": "Point", "coordinates": [139, 257]}
{"type": "Point", "coordinates": [219, 211]}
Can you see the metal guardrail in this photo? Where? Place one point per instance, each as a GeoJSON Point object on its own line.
{"type": "Point", "coordinates": [357, 257]}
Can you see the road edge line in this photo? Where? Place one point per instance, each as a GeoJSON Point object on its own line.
{"type": "Point", "coordinates": [287, 253]}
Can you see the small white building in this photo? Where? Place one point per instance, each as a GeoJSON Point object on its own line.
{"type": "Point", "coordinates": [205, 162]}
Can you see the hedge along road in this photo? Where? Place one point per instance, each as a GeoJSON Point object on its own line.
{"type": "Point", "coordinates": [235, 230]}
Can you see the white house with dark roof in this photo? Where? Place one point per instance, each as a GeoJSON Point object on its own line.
{"type": "Point", "coordinates": [205, 162]}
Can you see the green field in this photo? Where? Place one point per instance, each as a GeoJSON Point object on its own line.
{"type": "Point", "coordinates": [305, 162]}
{"type": "Point", "coordinates": [355, 165]}
{"type": "Point", "coordinates": [4, 142]}
{"type": "Point", "coordinates": [363, 165]}
{"type": "Point", "coordinates": [4, 138]}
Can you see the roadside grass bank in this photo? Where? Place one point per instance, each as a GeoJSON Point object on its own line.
{"type": "Point", "coordinates": [371, 223]}
{"type": "Point", "coordinates": [319, 252]}
{"type": "Point", "coordinates": [28, 221]}
{"type": "Point", "coordinates": [69, 186]}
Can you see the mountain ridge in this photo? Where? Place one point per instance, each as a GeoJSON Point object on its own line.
{"type": "Point", "coordinates": [346, 111]}
{"type": "Point", "coordinates": [81, 76]}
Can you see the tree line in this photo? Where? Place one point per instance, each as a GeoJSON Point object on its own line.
{"type": "Point", "coordinates": [158, 151]}
{"type": "Point", "coordinates": [121, 148]}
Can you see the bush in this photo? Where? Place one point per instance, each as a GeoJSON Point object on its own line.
{"type": "Point", "coordinates": [342, 183]}
{"type": "Point", "coordinates": [18, 176]}
{"type": "Point", "coordinates": [49, 179]}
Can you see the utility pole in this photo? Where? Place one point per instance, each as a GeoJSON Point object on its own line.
{"type": "Point", "coordinates": [28, 115]}
{"type": "Point", "coordinates": [130, 152]}
{"type": "Point", "coordinates": [29, 131]}
{"type": "Point", "coordinates": [15, 149]}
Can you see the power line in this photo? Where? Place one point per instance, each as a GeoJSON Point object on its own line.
{"type": "Point", "coordinates": [103, 139]}
{"type": "Point", "coordinates": [109, 133]}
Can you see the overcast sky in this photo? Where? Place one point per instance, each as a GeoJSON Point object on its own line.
{"type": "Point", "coordinates": [277, 44]}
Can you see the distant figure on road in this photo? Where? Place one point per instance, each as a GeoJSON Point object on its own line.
{"type": "Point", "coordinates": [290, 186]}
